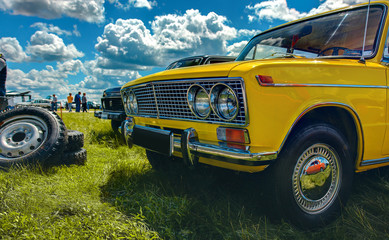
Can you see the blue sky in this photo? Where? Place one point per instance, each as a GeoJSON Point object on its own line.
{"type": "Point", "coordinates": [62, 46]}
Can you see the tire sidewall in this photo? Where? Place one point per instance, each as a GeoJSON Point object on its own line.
{"type": "Point", "coordinates": [318, 133]}
{"type": "Point", "coordinates": [51, 147]}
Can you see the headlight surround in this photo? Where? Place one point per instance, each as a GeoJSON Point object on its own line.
{"type": "Point", "coordinates": [224, 102]}
{"type": "Point", "coordinates": [198, 101]}
{"type": "Point", "coordinates": [125, 102]}
{"type": "Point", "coordinates": [132, 102]}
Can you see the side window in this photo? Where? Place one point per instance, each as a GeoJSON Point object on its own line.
{"type": "Point", "coordinates": [386, 49]}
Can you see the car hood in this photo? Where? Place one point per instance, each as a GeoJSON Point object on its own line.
{"type": "Point", "coordinates": [232, 69]}
{"type": "Point", "coordinates": [208, 71]}
{"type": "Point", "coordinates": [112, 92]}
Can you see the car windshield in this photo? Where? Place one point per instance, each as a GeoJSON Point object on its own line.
{"type": "Point", "coordinates": [338, 34]}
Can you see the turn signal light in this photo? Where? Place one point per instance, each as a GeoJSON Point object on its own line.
{"type": "Point", "coordinates": [233, 135]}
{"type": "Point", "coordinates": [265, 80]}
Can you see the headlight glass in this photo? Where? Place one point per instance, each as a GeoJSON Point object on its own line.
{"type": "Point", "coordinates": [224, 101]}
{"type": "Point", "coordinates": [126, 103]}
{"type": "Point", "coordinates": [198, 101]}
{"type": "Point", "coordinates": [132, 102]}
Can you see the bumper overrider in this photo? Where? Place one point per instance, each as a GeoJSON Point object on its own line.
{"type": "Point", "coordinates": [164, 142]}
{"type": "Point", "coordinates": [119, 116]}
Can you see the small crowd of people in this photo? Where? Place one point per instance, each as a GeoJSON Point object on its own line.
{"type": "Point", "coordinates": [80, 101]}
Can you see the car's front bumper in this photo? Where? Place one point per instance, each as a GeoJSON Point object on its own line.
{"type": "Point", "coordinates": [164, 142]}
{"type": "Point", "coordinates": [119, 116]}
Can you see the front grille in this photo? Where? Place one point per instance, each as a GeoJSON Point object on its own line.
{"type": "Point", "coordinates": [168, 99]}
{"type": "Point", "coordinates": [112, 104]}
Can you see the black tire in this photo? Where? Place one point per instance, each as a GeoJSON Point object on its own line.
{"type": "Point", "coordinates": [75, 141]}
{"type": "Point", "coordinates": [115, 125]}
{"type": "Point", "coordinates": [29, 135]}
{"type": "Point", "coordinates": [78, 157]}
{"type": "Point", "coordinates": [312, 200]}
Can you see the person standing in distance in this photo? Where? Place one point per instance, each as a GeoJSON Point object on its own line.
{"type": "Point", "coordinates": [84, 101]}
{"type": "Point", "coordinates": [77, 99]}
{"type": "Point", "coordinates": [70, 101]}
{"type": "Point", "coordinates": [54, 103]}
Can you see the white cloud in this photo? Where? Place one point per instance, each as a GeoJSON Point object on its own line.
{"type": "Point", "coordinates": [278, 9]}
{"type": "Point", "coordinates": [75, 31]}
{"type": "Point", "coordinates": [236, 48]}
{"type": "Point", "coordinates": [90, 11]}
{"type": "Point", "coordinates": [50, 28]}
{"type": "Point", "coordinates": [134, 3]}
{"type": "Point", "coordinates": [12, 50]}
{"type": "Point", "coordinates": [129, 44]}
{"type": "Point", "coordinates": [274, 9]}
{"type": "Point", "coordinates": [55, 79]}
{"type": "Point", "coordinates": [49, 47]}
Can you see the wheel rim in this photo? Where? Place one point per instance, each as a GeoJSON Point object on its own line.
{"type": "Point", "coordinates": [21, 136]}
{"type": "Point", "coordinates": [316, 178]}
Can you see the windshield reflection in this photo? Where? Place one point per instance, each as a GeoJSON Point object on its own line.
{"type": "Point", "coordinates": [335, 35]}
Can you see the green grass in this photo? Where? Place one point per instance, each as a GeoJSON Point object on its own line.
{"type": "Point", "coordinates": [117, 195]}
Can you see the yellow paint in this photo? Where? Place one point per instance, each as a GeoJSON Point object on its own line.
{"type": "Point", "coordinates": [272, 111]}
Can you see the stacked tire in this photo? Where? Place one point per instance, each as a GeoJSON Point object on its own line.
{"type": "Point", "coordinates": [31, 135]}
{"type": "Point", "coordinates": [74, 153]}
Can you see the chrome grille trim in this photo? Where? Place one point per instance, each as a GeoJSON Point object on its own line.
{"type": "Point", "coordinates": [167, 99]}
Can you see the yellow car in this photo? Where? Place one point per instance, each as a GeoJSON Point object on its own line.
{"type": "Point", "coordinates": [315, 89]}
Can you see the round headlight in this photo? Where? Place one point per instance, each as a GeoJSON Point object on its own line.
{"type": "Point", "coordinates": [224, 102]}
{"type": "Point", "coordinates": [198, 101]}
{"type": "Point", "coordinates": [126, 104]}
{"type": "Point", "coordinates": [132, 102]}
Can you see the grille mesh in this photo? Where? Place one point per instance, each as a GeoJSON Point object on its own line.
{"type": "Point", "coordinates": [168, 99]}
{"type": "Point", "coordinates": [112, 104]}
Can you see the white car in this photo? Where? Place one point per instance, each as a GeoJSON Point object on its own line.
{"type": "Point", "coordinates": [44, 103]}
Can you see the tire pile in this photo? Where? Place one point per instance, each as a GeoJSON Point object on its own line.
{"type": "Point", "coordinates": [31, 135]}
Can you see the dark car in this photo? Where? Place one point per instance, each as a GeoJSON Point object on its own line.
{"type": "Point", "coordinates": [199, 60]}
{"type": "Point", "coordinates": [111, 102]}
{"type": "Point", "coordinates": [112, 107]}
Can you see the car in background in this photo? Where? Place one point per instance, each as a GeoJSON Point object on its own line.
{"type": "Point", "coordinates": [44, 103]}
{"type": "Point", "coordinates": [199, 60]}
{"type": "Point", "coordinates": [112, 105]}
{"type": "Point", "coordinates": [93, 105]}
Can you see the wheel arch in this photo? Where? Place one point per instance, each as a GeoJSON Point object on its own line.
{"type": "Point", "coordinates": [341, 116]}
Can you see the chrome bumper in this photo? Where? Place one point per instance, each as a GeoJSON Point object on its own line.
{"type": "Point", "coordinates": [191, 149]}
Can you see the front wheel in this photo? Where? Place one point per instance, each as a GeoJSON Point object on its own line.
{"type": "Point", "coordinates": [307, 197]}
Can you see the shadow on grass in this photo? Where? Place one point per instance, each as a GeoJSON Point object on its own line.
{"type": "Point", "coordinates": [207, 203]}
{"type": "Point", "coordinates": [212, 203]}
{"type": "Point", "coordinates": [106, 137]}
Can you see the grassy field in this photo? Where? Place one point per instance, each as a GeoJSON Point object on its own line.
{"type": "Point", "coordinates": [117, 195]}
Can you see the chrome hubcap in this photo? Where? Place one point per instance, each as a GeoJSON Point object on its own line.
{"type": "Point", "coordinates": [316, 178]}
{"type": "Point", "coordinates": [21, 137]}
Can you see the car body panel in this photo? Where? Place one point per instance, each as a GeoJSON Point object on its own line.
{"type": "Point", "coordinates": [299, 86]}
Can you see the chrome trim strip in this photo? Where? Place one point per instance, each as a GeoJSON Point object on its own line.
{"type": "Point", "coordinates": [220, 153]}
{"type": "Point", "coordinates": [324, 105]}
{"type": "Point", "coordinates": [155, 99]}
{"type": "Point", "coordinates": [321, 85]}
{"type": "Point", "coordinates": [374, 161]}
